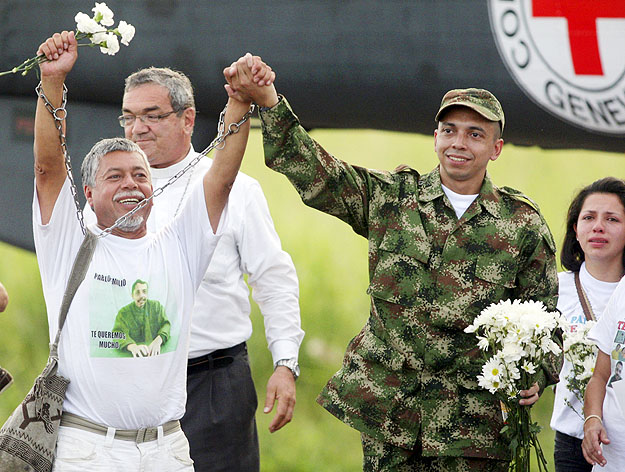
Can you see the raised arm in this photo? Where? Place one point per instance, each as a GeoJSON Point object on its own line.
{"type": "Point", "coordinates": [220, 177]}
{"type": "Point", "coordinates": [61, 50]}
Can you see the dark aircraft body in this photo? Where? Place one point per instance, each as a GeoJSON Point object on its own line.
{"type": "Point", "coordinates": [557, 67]}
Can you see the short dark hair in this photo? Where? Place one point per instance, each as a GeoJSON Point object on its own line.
{"type": "Point", "coordinates": [138, 281]}
{"type": "Point", "coordinates": [572, 254]}
{"type": "Point", "coordinates": [177, 84]}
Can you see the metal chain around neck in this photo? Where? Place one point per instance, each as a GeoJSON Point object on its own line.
{"type": "Point", "coordinates": [59, 114]}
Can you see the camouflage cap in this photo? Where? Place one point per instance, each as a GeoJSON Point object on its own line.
{"type": "Point", "coordinates": [480, 100]}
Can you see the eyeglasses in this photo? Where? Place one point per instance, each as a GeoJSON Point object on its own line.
{"type": "Point", "coordinates": [129, 120]}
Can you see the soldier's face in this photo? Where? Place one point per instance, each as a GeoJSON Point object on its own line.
{"type": "Point", "coordinates": [465, 143]}
{"type": "Point", "coordinates": [140, 294]}
{"type": "Point", "coordinates": [600, 229]}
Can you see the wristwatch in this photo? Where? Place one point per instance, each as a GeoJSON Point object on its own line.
{"type": "Point", "coordinates": [290, 364]}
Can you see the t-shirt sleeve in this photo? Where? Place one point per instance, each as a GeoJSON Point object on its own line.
{"type": "Point", "coordinates": [57, 242]}
{"type": "Point", "coordinates": [603, 332]}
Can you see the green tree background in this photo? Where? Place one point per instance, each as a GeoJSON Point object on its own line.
{"type": "Point", "coordinates": [331, 263]}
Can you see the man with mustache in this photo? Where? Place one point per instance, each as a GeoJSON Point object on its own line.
{"type": "Point", "coordinates": [442, 247]}
{"type": "Point", "coordinates": [120, 414]}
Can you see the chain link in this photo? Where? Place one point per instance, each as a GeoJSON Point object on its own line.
{"type": "Point", "coordinates": [59, 114]}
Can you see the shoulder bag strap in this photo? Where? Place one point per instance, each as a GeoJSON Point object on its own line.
{"type": "Point", "coordinates": [583, 299]}
{"type": "Point", "coordinates": [79, 270]}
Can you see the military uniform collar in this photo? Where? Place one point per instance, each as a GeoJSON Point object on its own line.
{"type": "Point", "coordinates": [490, 197]}
{"type": "Point", "coordinates": [430, 189]}
{"type": "Point", "coordinates": [430, 186]}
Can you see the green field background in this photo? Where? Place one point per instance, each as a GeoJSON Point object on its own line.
{"type": "Point", "coordinates": [331, 263]}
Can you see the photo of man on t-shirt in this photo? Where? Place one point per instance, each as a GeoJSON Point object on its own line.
{"type": "Point", "coordinates": [143, 323]}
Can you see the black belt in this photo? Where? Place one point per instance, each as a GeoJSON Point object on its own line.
{"type": "Point", "coordinates": [216, 359]}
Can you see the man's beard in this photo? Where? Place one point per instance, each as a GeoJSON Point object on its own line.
{"type": "Point", "coordinates": [131, 224]}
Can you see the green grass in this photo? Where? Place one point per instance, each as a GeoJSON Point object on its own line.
{"type": "Point", "coordinates": [331, 263]}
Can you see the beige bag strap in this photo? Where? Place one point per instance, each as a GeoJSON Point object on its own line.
{"type": "Point", "coordinates": [79, 270]}
{"type": "Point", "coordinates": [583, 299]}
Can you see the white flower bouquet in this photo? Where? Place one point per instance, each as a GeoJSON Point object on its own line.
{"type": "Point", "coordinates": [581, 352]}
{"type": "Point", "coordinates": [516, 337]}
{"type": "Point", "coordinates": [96, 30]}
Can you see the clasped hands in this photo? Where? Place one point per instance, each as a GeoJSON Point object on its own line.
{"type": "Point", "coordinates": [249, 79]}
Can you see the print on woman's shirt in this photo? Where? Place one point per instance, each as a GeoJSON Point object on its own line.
{"type": "Point", "coordinates": [140, 328]}
{"type": "Point", "coordinates": [617, 361]}
{"type": "Point", "coordinates": [576, 320]}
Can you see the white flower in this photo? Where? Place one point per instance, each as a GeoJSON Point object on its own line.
{"type": "Point", "coordinates": [492, 385]}
{"type": "Point", "coordinates": [528, 367]}
{"type": "Point", "coordinates": [102, 14]}
{"type": "Point", "coordinates": [515, 337]}
{"type": "Point", "coordinates": [492, 372]}
{"type": "Point", "coordinates": [512, 352]}
{"type": "Point", "coordinates": [99, 38]}
{"type": "Point", "coordinates": [547, 345]}
{"type": "Point", "coordinates": [493, 369]}
{"type": "Point", "coordinates": [86, 24]}
{"type": "Point", "coordinates": [91, 29]}
{"type": "Point", "coordinates": [513, 374]}
{"type": "Point", "coordinates": [483, 343]}
{"type": "Point", "coordinates": [589, 367]}
{"type": "Point", "coordinates": [518, 336]}
{"type": "Point", "coordinates": [126, 31]}
{"type": "Point", "coordinates": [111, 45]}
{"type": "Point", "coordinates": [471, 328]}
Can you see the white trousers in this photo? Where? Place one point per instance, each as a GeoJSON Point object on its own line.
{"type": "Point", "coordinates": [81, 451]}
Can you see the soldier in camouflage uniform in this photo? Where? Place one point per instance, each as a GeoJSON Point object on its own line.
{"type": "Point", "coordinates": [408, 380]}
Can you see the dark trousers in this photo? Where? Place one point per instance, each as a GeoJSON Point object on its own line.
{"type": "Point", "coordinates": [567, 454]}
{"type": "Point", "coordinates": [220, 418]}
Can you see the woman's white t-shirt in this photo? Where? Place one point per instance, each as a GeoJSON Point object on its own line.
{"type": "Point", "coordinates": [564, 418]}
{"type": "Point", "coordinates": [609, 334]}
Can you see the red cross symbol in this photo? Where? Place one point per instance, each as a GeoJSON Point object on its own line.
{"type": "Point", "coordinates": [581, 16]}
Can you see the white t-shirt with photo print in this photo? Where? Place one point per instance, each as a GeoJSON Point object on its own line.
{"type": "Point", "coordinates": [564, 418]}
{"type": "Point", "coordinates": [107, 384]}
{"type": "Point", "coordinates": [609, 334]}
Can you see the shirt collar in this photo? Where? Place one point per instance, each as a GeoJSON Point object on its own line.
{"type": "Point", "coordinates": [169, 172]}
{"type": "Point", "coordinates": [489, 196]}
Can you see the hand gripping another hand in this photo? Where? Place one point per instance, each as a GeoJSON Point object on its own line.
{"type": "Point", "coordinates": [250, 79]}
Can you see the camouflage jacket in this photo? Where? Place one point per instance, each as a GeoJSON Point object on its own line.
{"type": "Point", "coordinates": [409, 377]}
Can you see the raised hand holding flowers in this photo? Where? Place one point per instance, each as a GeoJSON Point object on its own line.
{"type": "Point", "coordinates": [95, 30]}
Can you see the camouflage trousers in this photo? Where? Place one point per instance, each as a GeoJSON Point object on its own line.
{"type": "Point", "coordinates": [379, 456]}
